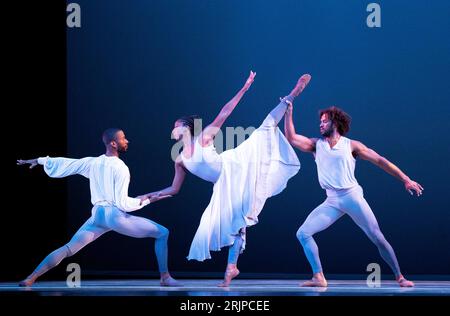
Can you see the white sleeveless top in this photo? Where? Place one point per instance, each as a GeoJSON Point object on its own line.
{"type": "Point", "coordinates": [205, 162]}
{"type": "Point", "coordinates": [335, 166]}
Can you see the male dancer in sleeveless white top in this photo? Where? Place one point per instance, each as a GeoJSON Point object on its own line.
{"type": "Point", "coordinates": [109, 178]}
{"type": "Point", "coordinates": [243, 177]}
{"type": "Point", "coordinates": [335, 158]}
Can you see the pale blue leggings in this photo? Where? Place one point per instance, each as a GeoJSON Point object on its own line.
{"type": "Point", "coordinates": [105, 219]}
{"type": "Point", "coordinates": [349, 202]}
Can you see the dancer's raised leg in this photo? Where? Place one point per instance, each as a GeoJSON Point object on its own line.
{"type": "Point", "coordinates": [277, 113]}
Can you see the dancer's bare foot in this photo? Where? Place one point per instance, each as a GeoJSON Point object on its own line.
{"type": "Point", "coordinates": [301, 84]}
{"type": "Point", "coordinates": [404, 282]}
{"type": "Point", "coordinates": [318, 280]}
{"type": "Point", "coordinates": [167, 280]}
{"type": "Point", "coordinates": [230, 274]}
{"type": "Point", "coordinates": [26, 282]}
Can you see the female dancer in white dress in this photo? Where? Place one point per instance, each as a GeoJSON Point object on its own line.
{"type": "Point", "coordinates": [243, 177]}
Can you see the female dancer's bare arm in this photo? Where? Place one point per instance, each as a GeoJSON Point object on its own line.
{"type": "Point", "coordinates": [177, 182]}
{"type": "Point", "coordinates": [212, 129]}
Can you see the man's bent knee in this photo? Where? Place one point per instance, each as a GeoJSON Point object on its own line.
{"type": "Point", "coordinates": [70, 252]}
{"type": "Point", "coordinates": [303, 236]}
{"type": "Point", "coordinates": [163, 232]}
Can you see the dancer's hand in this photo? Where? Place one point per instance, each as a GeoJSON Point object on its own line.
{"type": "Point", "coordinates": [289, 108]}
{"type": "Point", "coordinates": [249, 81]}
{"type": "Point", "coordinates": [411, 186]}
{"type": "Point", "coordinates": [156, 196]}
{"type": "Point", "coordinates": [33, 162]}
{"type": "Point", "coordinates": [142, 198]}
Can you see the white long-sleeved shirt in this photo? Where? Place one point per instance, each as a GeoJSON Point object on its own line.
{"type": "Point", "coordinates": [108, 176]}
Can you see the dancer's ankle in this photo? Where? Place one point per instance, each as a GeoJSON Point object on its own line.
{"type": "Point", "coordinates": [319, 276]}
{"type": "Point", "coordinates": [230, 273]}
{"type": "Point", "coordinates": [231, 267]}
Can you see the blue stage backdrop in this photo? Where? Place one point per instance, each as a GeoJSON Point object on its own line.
{"type": "Point", "coordinates": [139, 65]}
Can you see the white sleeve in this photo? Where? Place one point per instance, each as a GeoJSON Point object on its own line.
{"type": "Point", "coordinates": [63, 167]}
{"type": "Point", "coordinates": [122, 200]}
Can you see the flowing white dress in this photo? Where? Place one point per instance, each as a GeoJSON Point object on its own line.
{"type": "Point", "coordinates": [243, 177]}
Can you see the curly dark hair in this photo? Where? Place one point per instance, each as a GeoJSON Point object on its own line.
{"type": "Point", "coordinates": [339, 118]}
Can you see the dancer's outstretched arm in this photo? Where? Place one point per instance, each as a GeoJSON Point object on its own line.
{"type": "Point", "coordinates": [301, 142]}
{"type": "Point", "coordinates": [212, 129]}
{"type": "Point", "coordinates": [177, 182]}
{"type": "Point", "coordinates": [60, 167]}
{"type": "Point", "coordinates": [362, 151]}
{"type": "Point", "coordinates": [63, 167]}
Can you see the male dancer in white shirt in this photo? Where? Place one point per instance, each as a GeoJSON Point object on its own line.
{"type": "Point", "coordinates": [335, 158]}
{"type": "Point", "coordinates": [109, 178]}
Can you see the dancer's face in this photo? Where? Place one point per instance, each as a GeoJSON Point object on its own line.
{"type": "Point", "coordinates": [326, 126]}
{"type": "Point", "coordinates": [178, 130]}
{"type": "Point", "coordinates": [121, 142]}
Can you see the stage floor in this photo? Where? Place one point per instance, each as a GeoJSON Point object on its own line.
{"type": "Point", "coordinates": [239, 287]}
